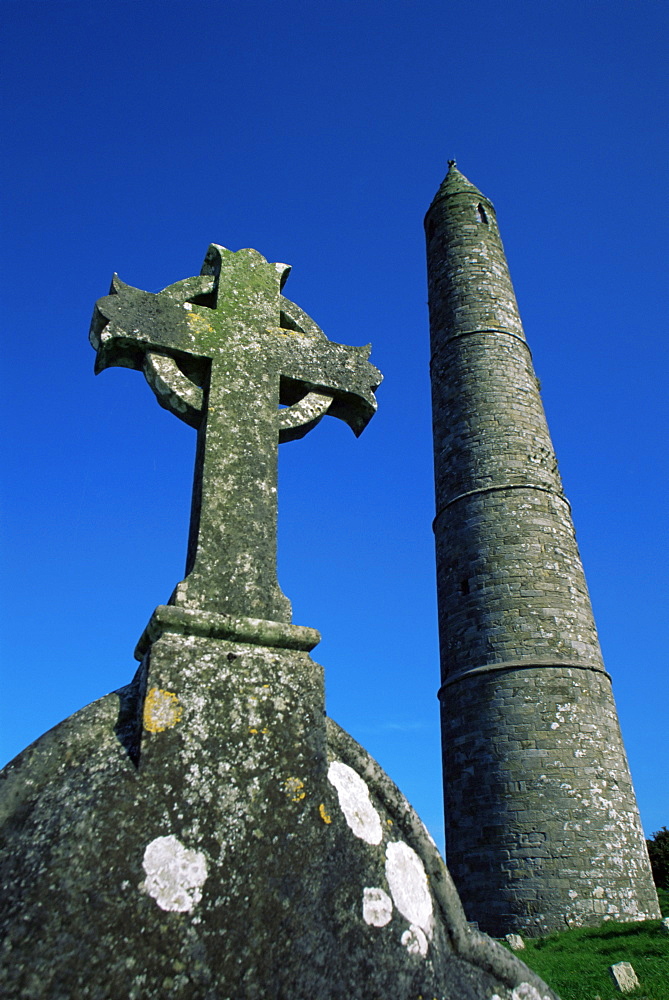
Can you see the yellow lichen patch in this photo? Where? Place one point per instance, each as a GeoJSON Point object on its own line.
{"type": "Point", "coordinates": [323, 814]}
{"type": "Point", "coordinates": [295, 789]}
{"type": "Point", "coordinates": [162, 710]}
{"type": "Point", "coordinates": [199, 323]}
{"type": "Point", "coordinates": [282, 331]}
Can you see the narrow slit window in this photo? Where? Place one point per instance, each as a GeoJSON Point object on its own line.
{"type": "Point", "coordinates": [483, 216]}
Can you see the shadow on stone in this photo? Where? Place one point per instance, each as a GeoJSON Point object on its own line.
{"type": "Point", "coordinates": [128, 728]}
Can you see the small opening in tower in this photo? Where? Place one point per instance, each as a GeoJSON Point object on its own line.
{"type": "Point", "coordinates": [483, 216]}
{"type": "Point", "coordinates": [430, 228]}
{"type": "Point", "coordinates": [464, 586]}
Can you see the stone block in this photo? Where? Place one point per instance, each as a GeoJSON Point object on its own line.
{"type": "Point", "coordinates": [624, 977]}
{"type": "Point", "coordinates": [515, 942]}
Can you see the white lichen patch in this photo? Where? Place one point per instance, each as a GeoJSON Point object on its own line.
{"type": "Point", "coordinates": [174, 874]}
{"type": "Point", "coordinates": [414, 941]}
{"type": "Point", "coordinates": [408, 885]}
{"type": "Point", "coordinates": [523, 992]}
{"type": "Point", "coordinates": [377, 907]}
{"type": "Point", "coordinates": [355, 802]}
{"type": "Point", "coordinates": [528, 992]}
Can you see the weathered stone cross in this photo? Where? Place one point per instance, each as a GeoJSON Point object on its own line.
{"type": "Point", "coordinates": [223, 351]}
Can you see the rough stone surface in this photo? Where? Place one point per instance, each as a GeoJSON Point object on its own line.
{"type": "Point", "coordinates": [542, 827]}
{"type": "Point", "coordinates": [219, 859]}
{"type": "Point", "coordinates": [206, 833]}
{"type": "Point", "coordinates": [514, 941]}
{"type": "Point", "coordinates": [624, 977]}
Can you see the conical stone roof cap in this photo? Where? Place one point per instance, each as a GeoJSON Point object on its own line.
{"type": "Point", "coordinates": [456, 183]}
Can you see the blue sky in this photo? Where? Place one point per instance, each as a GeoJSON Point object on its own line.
{"type": "Point", "coordinates": [318, 134]}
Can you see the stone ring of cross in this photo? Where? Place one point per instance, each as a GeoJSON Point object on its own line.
{"type": "Point", "coordinates": [128, 323]}
{"type": "Point", "coordinates": [182, 397]}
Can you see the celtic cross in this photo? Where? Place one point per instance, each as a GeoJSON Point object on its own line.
{"type": "Point", "coordinates": [223, 351]}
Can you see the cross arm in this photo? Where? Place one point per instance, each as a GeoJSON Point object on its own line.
{"type": "Point", "coordinates": [336, 370]}
{"type": "Point", "coordinates": [128, 323]}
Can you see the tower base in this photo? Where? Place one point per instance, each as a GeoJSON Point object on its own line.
{"type": "Point", "coordinates": [550, 838]}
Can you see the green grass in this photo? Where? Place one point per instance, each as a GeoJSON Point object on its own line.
{"type": "Point", "coordinates": [575, 962]}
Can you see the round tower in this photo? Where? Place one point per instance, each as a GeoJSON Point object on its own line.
{"type": "Point", "coordinates": [542, 827]}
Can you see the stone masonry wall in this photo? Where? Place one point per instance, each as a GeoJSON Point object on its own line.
{"type": "Point", "coordinates": [510, 582]}
{"type": "Point", "coordinates": [496, 432]}
{"type": "Point", "coordinates": [542, 827]}
{"type": "Point", "coordinates": [468, 278]}
{"type": "Point", "coordinates": [543, 830]}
